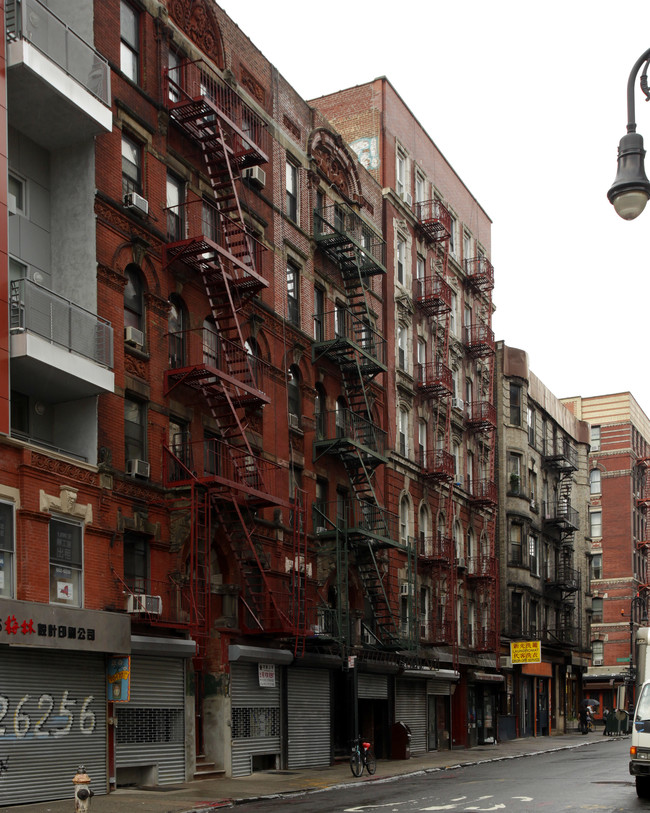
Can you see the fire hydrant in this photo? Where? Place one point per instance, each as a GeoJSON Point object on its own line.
{"type": "Point", "coordinates": [82, 791]}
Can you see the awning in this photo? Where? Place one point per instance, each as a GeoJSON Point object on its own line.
{"type": "Point", "coordinates": [258, 654]}
{"type": "Point", "coordinates": [485, 677]}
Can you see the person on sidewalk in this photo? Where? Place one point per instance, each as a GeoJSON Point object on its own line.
{"type": "Point", "coordinates": [605, 716]}
{"type": "Point", "coordinates": [583, 717]}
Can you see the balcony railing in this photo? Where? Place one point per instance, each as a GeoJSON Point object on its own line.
{"type": "Point", "coordinates": [342, 427]}
{"type": "Point", "coordinates": [338, 229]}
{"type": "Point", "coordinates": [433, 295]}
{"type": "Point", "coordinates": [562, 514]}
{"type": "Point", "coordinates": [433, 219]}
{"type": "Point", "coordinates": [481, 415]}
{"type": "Point", "coordinates": [479, 273]}
{"type": "Point", "coordinates": [340, 331]}
{"type": "Point", "coordinates": [483, 493]}
{"type": "Point", "coordinates": [30, 20]}
{"type": "Point", "coordinates": [434, 379]}
{"type": "Point", "coordinates": [564, 457]}
{"type": "Point", "coordinates": [479, 340]}
{"type": "Point", "coordinates": [57, 320]}
{"type": "Point", "coordinates": [482, 566]}
{"type": "Point", "coordinates": [357, 518]}
{"type": "Point", "coordinates": [436, 548]}
{"type": "Point", "coordinates": [437, 464]}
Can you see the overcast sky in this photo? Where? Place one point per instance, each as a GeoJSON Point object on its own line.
{"type": "Point", "coordinates": [527, 101]}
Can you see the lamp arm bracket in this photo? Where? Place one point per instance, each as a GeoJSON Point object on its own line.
{"type": "Point", "coordinates": [644, 82]}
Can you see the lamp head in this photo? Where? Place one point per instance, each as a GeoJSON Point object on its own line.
{"type": "Point", "coordinates": [631, 189]}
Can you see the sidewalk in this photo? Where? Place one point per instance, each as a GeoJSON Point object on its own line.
{"type": "Point", "coordinates": [216, 794]}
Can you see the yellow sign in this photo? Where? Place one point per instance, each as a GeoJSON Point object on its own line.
{"type": "Point", "coordinates": [526, 651]}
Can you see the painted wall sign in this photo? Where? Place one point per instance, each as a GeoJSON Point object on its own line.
{"type": "Point", "coordinates": [119, 679]}
{"type": "Point", "coordinates": [27, 623]}
{"type": "Point", "coordinates": [367, 150]}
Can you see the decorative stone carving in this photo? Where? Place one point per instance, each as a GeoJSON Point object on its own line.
{"type": "Point", "coordinates": [197, 20]}
{"type": "Point", "coordinates": [253, 86]}
{"type": "Point", "coordinates": [335, 163]}
{"type": "Point", "coordinates": [66, 503]}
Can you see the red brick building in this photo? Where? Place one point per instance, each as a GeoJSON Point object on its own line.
{"type": "Point", "coordinates": [217, 553]}
{"type": "Point", "coordinates": [619, 491]}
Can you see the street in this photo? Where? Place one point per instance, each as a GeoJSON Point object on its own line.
{"type": "Point", "coordinates": [594, 778]}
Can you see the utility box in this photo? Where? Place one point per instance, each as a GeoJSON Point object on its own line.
{"type": "Point", "coordinates": [400, 741]}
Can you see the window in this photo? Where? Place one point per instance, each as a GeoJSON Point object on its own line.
{"type": "Point", "coordinates": [134, 430]}
{"type": "Point", "coordinates": [470, 472]}
{"type": "Point", "coordinates": [131, 166]}
{"type": "Point", "coordinates": [175, 208]}
{"type": "Point", "coordinates": [420, 267]}
{"type": "Point", "coordinates": [594, 481]}
{"type": "Point", "coordinates": [181, 447]}
{"type": "Point", "coordinates": [533, 619]}
{"type": "Point", "coordinates": [292, 191]}
{"type": "Point", "coordinates": [7, 545]}
{"type": "Point", "coordinates": [17, 191]}
{"type": "Point", "coordinates": [467, 246]}
{"type": "Point", "coordinates": [514, 473]}
{"type": "Point", "coordinates": [341, 418]}
{"type": "Point", "coordinates": [597, 653]}
{"type": "Point", "coordinates": [515, 404]}
{"type": "Point", "coordinates": [319, 315]}
{"type": "Point", "coordinates": [210, 338]}
{"type": "Point", "coordinates": [458, 542]}
{"type": "Point", "coordinates": [533, 554]}
{"type": "Point", "coordinates": [136, 563]}
{"type": "Point", "coordinates": [401, 256]}
{"type": "Point", "coordinates": [516, 614]}
{"type": "Point", "coordinates": [210, 221]}
{"type": "Point", "coordinates": [422, 442]}
{"type": "Point", "coordinates": [404, 511]}
{"type": "Point", "coordinates": [516, 553]}
{"type": "Point", "coordinates": [320, 509]}
{"type": "Point", "coordinates": [452, 236]}
{"type": "Point", "coordinates": [174, 76]}
{"type": "Point", "coordinates": [597, 566]}
{"type": "Point", "coordinates": [400, 172]}
{"type": "Point", "coordinates": [595, 438]}
{"type": "Point", "coordinates": [293, 395]}
{"type": "Point", "coordinates": [403, 432]}
{"type": "Point", "coordinates": [422, 352]}
{"type": "Point", "coordinates": [530, 420]}
{"type": "Point", "coordinates": [319, 412]}
{"type": "Point", "coordinates": [293, 294]}
{"type": "Point", "coordinates": [452, 314]}
{"type": "Point", "coordinates": [455, 451]}
{"type": "Point", "coordinates": [134, 299]}
{"type": "Point", "coordinates": [402, 343]}
{"type": "Point", "coordinates": [129, 42]}
{"type": "Point", "coordinates": [595, 524]}
{"type": "Point", "coordinates": [420, 188]}
{"type": "Point", "coordinates": [176, 322]}
{"type": "Point", "coordinates": [597, 609]}
{"type": "Point", "coordinates": [65, 563]}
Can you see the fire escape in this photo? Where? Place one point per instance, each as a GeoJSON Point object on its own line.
{"type": "Point", "coordinates": [565, 584]}
{"type": "Point", "coordinates": [219, 485]}
{"type": "Point", "coordinates": [362, 529]}
{"type": "Point", "coordinates": [641, 474]}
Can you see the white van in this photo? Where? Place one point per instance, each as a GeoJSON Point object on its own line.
{"type": "Point", "coordinates": [640, 747]}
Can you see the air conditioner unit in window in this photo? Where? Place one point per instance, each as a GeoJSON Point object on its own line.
{"type": "Point", "coordinates": [367, 637]}
{"type": "Point", "coordinates": [458, 403]}
{"type": "Point", "coordinates": [133, 336]}
{"type": "Point", "coordinates": [137, 468]}
{"type": "Point", "coordinates": [255, 175]}
{"type": "Point", "coordinates": [598, 661]}
{"type": "Point", "coordinates": [294, 421]}
{"type": "Point", "coordinates": [321, 529]}
{"type": "Point", "coordinates": [405, 589]}
{"type": "Point", "coordinates": [460, 562]}
{"type": "Point", "coordinates": [139, 603]}
{"type": "Point", "coordinates": [136, 203]}
{"type": "Point", "coordinates": [408, 198]}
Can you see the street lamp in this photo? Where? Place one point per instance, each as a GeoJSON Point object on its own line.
{"type": "Point", "coordinates": [631, 189]}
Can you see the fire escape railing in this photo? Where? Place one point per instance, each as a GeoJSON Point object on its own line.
{"type": "Point", "coordinates": [343, 235]}
{"type": "Point", "coordinates": [345, 338]}
{"type": "Point", "coordinates": [433, 219]}
{"type": "Point", "coordinates": [338, 430]}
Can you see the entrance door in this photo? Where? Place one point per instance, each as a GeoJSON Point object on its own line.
{"type": "Point", "coordinates": [432, 725]}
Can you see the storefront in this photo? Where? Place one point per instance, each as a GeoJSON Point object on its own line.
{"type": "Point", "coordinates": [308, 718]}
{"type": "Point", "coordinates": [53, 692]}
{"type": "Point", "coordinates": [482, 701]}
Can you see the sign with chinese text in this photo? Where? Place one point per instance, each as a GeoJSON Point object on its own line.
{"type": "Point", "coordinates": [266, 672]}
{"type": "Point", "coordinates": [28, 623]}
{"type": "Point", "coordinates": [119, 679]}
{"type": "Point", "coordinates": [526, 651]}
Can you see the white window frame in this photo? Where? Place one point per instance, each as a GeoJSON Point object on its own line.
{"type": "Point", "coordinates": [595, 484]}
{"type": "Point", "coordinates": [596, 525]}
{"type": "Point", "coordinates": [595, 438]}
{"type": "Point", "coordinates": [8, 555]}
{"type": "Point", "coordinates": [400, 173]}
{"type": "Point", "coordinates": [403, 431]}
{"type": "Point", "coordinates": [130, 51]}
{"type": "Point", "coordinates": [400, 260]}
{"type": "Point", "coordinates": [20, 205]}
{"type": "Point", "coordinates": [77, 601]}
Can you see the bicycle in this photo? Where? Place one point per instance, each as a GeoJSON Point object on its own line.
{"type": "Point", "coordinates": [362, 756]}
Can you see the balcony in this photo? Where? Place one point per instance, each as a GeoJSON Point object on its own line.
{"type": "Point", "coordinates": [437, 465]}
{"type": "Point", "coordinates": [343, 432]}
{"type": "Point", "coordinates": [347, 340]}
{"type": "Point", "coordinates": [560, 514]}
{"type": "Point", "coordinates": [59, 351]}
{"type": "Point", "coordinates": [436, 549]}
{"type": "Point", "coordinates": [54, 77]}
{"type": "Point", "coordinates": [564, 457]}
{"type": "Point", "coordinates": [434, 379]}
{"type": "Point", "coordinates": [357, 520]}
{"type": "Point", "coordinates": [481, 416]}
{"type": "Point", "coordinates": [479, 274]}
{"type": "Point", "coordinates": [434, 220]}
{"type": "Point", "coordinates": [482, 566]}
{"type": "Point", "coordinates": [478, 340]}
{"type": "Point", "coordinates": [433, 295]}
{"type": "Point", "coordinates": [483, 493]}
{"type": "Point", "coordinates": [349, 241]}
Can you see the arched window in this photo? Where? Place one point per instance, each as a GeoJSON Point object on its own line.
{"type": "Point", "coordinates": [176, 327]}
{"type": "Point", "coordinates": [423, 530]}
{"type": "Point", "coordinates": [319, 411]}
{"type": "Point", "coordinates": [404, 517]}
{"type": "Point", "coordinates": [341, 417]}
{"type": "Point", "coordinates": [210, 343]}
{"type": "Point", "coordinates": [253, 352]}
{"type": "Point", "coordinates": [402, 429]}
{"type": "Point", "coordinates": [458, 542]}
{"type": "Point", "coordinates": [133, 301]}
{"type": "Point", "coordinates": [293, 395]}
{"type": "Point", "coordinates": [594, 481]}
{"type": "Point", "coordinates": [470, 551]}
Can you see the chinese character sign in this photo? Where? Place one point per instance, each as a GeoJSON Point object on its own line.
{"type": "Point", "coordinates": [526, 651]}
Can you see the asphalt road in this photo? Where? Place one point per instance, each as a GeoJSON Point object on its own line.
{"type": "Point", "coordinates": [594, 778]}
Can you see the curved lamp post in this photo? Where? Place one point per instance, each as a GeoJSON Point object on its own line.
{"type": "Point", "coordinates": [631, 189]}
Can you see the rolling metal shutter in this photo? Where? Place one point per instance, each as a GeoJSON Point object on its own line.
{"type": "Point", "coordinates": [52, 719]}
{"type": "Point", "coordinates": [372, 687]}
{"type": "Point", "coordinates": [151, 726]}
{"type": "Point", "coordinates": [411, 708]}
{"type": "Point", "coordinates": [255, 716]}
{"type": "Point", "coordinates": [308, 711]}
